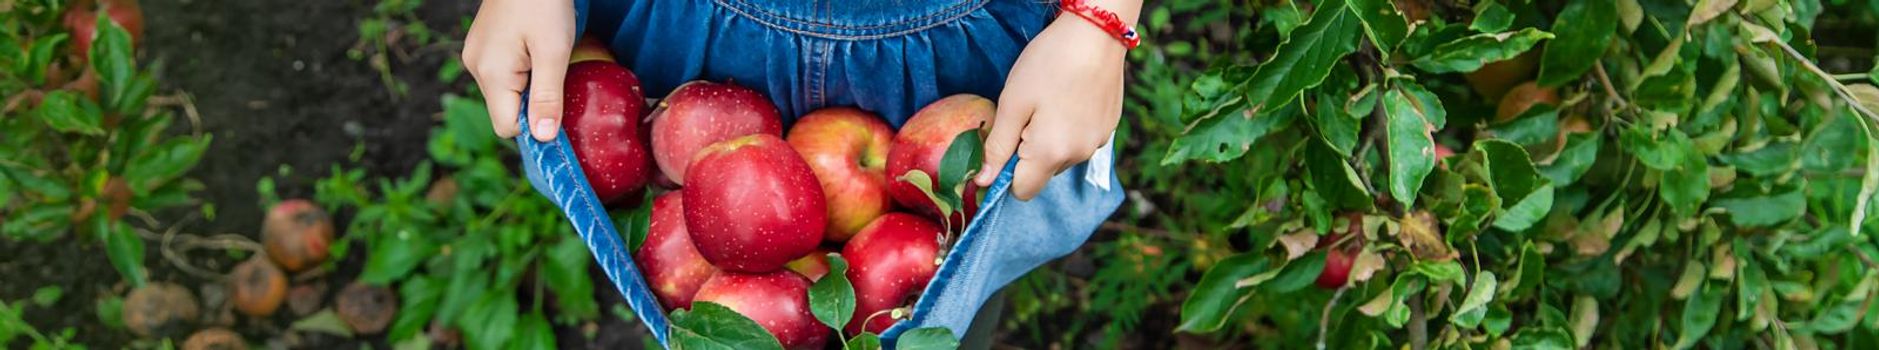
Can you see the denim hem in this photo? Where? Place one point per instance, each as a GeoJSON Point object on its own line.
{"type": "Point", "coordinates": [834, 31]}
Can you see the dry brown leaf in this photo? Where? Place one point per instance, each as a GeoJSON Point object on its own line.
{"type": "Point", "coordinates": [1417, 231]}
{"type": "Point", "coordinates": [1298, 243]}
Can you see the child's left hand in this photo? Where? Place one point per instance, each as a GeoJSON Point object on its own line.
{"type": "Point", "coordinates": [1060, 104]}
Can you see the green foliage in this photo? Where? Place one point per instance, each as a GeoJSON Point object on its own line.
{"type": "Point", "coordinates": [465, 241]}
{"type": "Point", "coordinates": [1691, 189]}
{"type": "Point", "coordinates": [394, 33]}
{"type": "Point", "coordinates": [80, 138]}
{"type": "Point", "coordinates": [13, 324]}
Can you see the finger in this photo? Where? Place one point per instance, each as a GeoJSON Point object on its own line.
{"type": "Point", "coordinates": [1031, 175]}
{"type": "Point", "coordinates": [548, 65]}
{"type": "Point", "coordinates": [502, 92]}
{"type": "Point", "coordinates": [1007, 128]}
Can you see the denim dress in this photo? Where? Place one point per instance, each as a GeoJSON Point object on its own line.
{"type": "Point", "coordinates": [886, 56]}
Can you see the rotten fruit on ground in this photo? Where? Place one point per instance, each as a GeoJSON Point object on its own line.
{"type": "Point", "coordinates": [257, 287]}
{"type": "Point", "coordinates": [668, 258]}
{"type": "Point", "coordinates": [215, 339]}
{"type": "Point", "coordinates": [1523, 97]}
{"type": "Point", "coordinates": [922, 143]}
{"type": "Point", "coordinates": [701, 113]}
{"type": "Point", "coordinates": [82, 20]}
{"type": "Point", "coordinates": [160, 310]}
{"type": "Point", "coordinates": [777, 300]}
{"type": "Point", "coordinates": [602, 121]}
{"type": "Point", "coordinates": [890, 262]}
{"type": "Point", "coordinates": [304, 299]}
{"type": "Point", "coordinates": [1494, 79]}
{"type": "Point", "coordinates": [297, 234]}
{"type": "Point", "coordinates": [812, 266]}
{"type": "Point", "coordinates": [847, 150]}
{"type": "Point", "coordinates": [366, 308]}
{"type": "Point", "coordinates": [752, 204]}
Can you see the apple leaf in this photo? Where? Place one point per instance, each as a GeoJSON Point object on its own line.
{"type": "Point", "coordinates": [963, 158]}
{"type": "Point", "coordinates": [564, 267]}
{"type": "Point", "coordinates": [865, 341]}
{"type": "Point", "coordinates": [111, 56]}
{"type": "Point", "coordinates": [832, 299]}
{"type": "Point", "coordinates": [1411, 147]}
{"type": "Point", "coordinates": [919, 179]}
{"type": "Point", "coordinates": [709, 325]}
{"type": "Point", "coordinates": [1470, 53]}
{"type": "Point", "coordinates": [1219, 292]}
{"type": "Point", "coordinates": [534, 332]}
{"type": "Point", "coordinates": [1382, 21]}
{"type": "Point", "coordinates": [122, 247]}
{"type": "Point", "coordinates": [1584, 30]}
{"type": "Point", "coordinates": [1490, 17]}
{"type": "Point", "coordinates": [929, 338]}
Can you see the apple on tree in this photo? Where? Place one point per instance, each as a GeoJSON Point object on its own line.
{"type": "Point", "coordinates": [847, 149]}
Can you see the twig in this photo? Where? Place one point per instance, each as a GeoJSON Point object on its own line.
{"type": "Point", "coordinates": [1839, 89]}
{"type": "Point", "coordinates": [1606, 81]}
{"type": "Point", "coordinates": [1418, 327]}
{"type": "Point", "coordinates": [1324, 320]}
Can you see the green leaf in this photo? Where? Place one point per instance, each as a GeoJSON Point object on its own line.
{"type": "Point", "coordinates": [326, 321]}
{"type": "Point", "coordinates": [1838, 318]}
{"type": "Point", "coordinates": [1584, 29]}
{"type": "Point", "coordinates": [1478, 297]}
{"type": "Point", "coordinates": [1333, 178]}
{"type": "Point", "coordinates": [1543, 338]}
{"type": "Point", "coordinates": [565, 270]}
{"type": "Point", "coordinates": [832, 299]}
{"type": "Point", "coordinates": [490, 323]}
{"type": "Point", "coordinates": [962, 160]}
{"type": "Point", "coordinates": [1661, 153]}
{"type": "Point", "coordinates": [929, 338]}
{"type": "Point", "coordinates": [1337, 128]}
{"type": "Point", "coordinates": [1686, 188]}
{"type": "Point", "coordinates": [534, 333]}
{"type": "Point", "coordinates": [634, 224]}
{"type": "Point", "coordinates": [42, 54]}
{"type": "Point", "coordinates": [64, 111]}
{"type": "Point", "coordinates": [1699, 315]}
{"type": "Point", "coordinates": [1218, 293]}
{"type": "Point", "coordinates": [1298, 274]}
{"type": "Point", "coordinates": [395, 255]}
{"type": "Point", "coordinates": [45, 296]}
{"type": "Point", "coordinates": [1428, 102]}
{"type": "Point", "coordinates": [111, 56]}
{"type": "Point", "coordinates": [122, 247]}
{"type": "Point", "coordinates": [1770, 160]}
{"type": "Point", "coordinates": [711, 326]}
{"type": "Point", "coordinates": [1440, 271]}
{"type": "Point", "coordinates": [1764, 211]}
{"type": "Point", "coordinates": [165, 162]}
{"type": "Point", "coordinates": [1491, 17]}
{"type": "Point", "coordinates": [1572, 162]}
{"type": "Point", "coordinates": [1227, 137]}
{"type": "Point", "coordinates": [865, 341]}
{"type": "Point", "coordinates": [1537, 126]}
{"type": "Point", "coordinates": [419, 297]}
{"type": "Point", "coordinates": [919, 179]}
{"type": "Point", "coordinates": [1470, 53]}
{"type": "Point", "coordinates": [1304, 59]}
{"type": "Point", "coordinates": [1411, 148]}
{"type": "Point", "coordinates": [1384, 25]}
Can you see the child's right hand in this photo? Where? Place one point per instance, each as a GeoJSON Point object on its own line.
{"type": "Point", "coordinates": [514, 44]}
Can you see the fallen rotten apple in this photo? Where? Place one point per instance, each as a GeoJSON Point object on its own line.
{"type": "Point", "coordinates": [668, 258]}
{"type": "Point", "coordinates": [701, 113]}
{"type": "Point", "coordinates": [296, 234]}
{"type": "Point", "coordinates": [603, 113]}
{"type": "Point", "coordinates": [922, 143]}
{"type": "Point", "coordinates": [159, 310]}
{"type": "Point", "coordinates": [847, 150]}
{"type": "Point", "coordinates": [752, 204]}
{"type": "Point", "coordinates": [367, 309]}
{"type": "Point", "coordinates": [777, 300]}
{"type": "Point", "coordinates": [258, 287]}
{"type": "Point", "coordinates": [891, 261]}
{"type": "Point", "coordinates": [215, 339]}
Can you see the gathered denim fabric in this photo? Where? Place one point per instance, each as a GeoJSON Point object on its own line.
{"type": "Point", "coordinates": [890, 57]}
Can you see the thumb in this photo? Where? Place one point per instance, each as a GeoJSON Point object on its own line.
{"type": "Point", "coordinates": [1007, 128]}
{"type": "Point", "coordinates": [548, 65]}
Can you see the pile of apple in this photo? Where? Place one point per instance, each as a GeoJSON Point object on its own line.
{"type": "Point", "coordinates": [749, 213]}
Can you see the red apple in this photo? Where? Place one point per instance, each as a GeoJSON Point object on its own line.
{"type": "Point", "coordinates": [701, 113]}
{"type": "Point", "coordinates": [82, 20]}
{"type": "Point", "coordinates": [668, 258]}
{"type": "Point", "coordinates": [1341, 252]}
{"type": "Point", "coordinates": [777, 300]}
{"type": "Point", "coordinates": [890, 262]}
{"type": "Point", "coordinates": [1337, 269]}
{"type": "Point", "coordinates": [847, 149]}
{"type": "Point", "coordinates": [922, 143]}
{"type": "Point", "coordinates": [754, 204]}
{"type": "Point", "coordinates": [602, 122]}
{"type": "Point", "coordinates": [813, 266]}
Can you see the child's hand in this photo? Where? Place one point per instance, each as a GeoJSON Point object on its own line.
{"type": "Point", "coordinates": [513, 43]}
{"type": "Point", "coordinates": [1060, 104]}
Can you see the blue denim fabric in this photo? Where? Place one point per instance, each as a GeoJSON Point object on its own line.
{"type": "Point", "coordinates": [889, 57]}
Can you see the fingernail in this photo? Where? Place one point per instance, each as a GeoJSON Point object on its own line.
{"type": "Point", "coordinates": [545, 126]}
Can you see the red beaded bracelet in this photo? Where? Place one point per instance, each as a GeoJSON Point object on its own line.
{"type": "Point", "coordinates": [1103, 18]}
